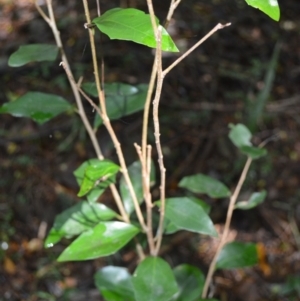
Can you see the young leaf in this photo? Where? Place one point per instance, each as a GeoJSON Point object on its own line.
{"type": "Point", "coordinates": [77, 219]}
{"type": "Point", "coordinates": [185, 214]}
{"type": "Point", "coordinates": [114, 283]}
{"type": "Point", "coordinates": [38, 106]}
{"type": "Point", "coordinates": [94, 172]}
{"type": "Point", "coordinates": [255, 199]}
{"type": "Point", "coordinates": [269, 7]}
{"type": "Point", "coordinates": [132, 25]}
{"type": "Point", "coordinates": [153, 280]}
{"type": "Point", "coordinates": [33, 53]}
{"type": "Point", "coordinates": [237, 255]}
{"type": "Point", "coordinates": [190, 281]}
{"type": "Point", "coordinates": [135, 173]}
{"type": "Point", "coordinates": [105, 239]}
{"type": "Point", "coordinates": [200, 183]}
{"type": "Point", "coordinates": [121, 99]}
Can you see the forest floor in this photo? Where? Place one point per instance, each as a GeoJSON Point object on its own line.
{"type": "Point", "coordinates": [224, 81]}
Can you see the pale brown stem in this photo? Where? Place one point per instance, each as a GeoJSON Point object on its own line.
{"type": "Point", "coordinates": [224, 236]}
{"type": "Point", "coordinates": [107, 123]}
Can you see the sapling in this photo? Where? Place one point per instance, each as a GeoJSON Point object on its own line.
{"type": "Point", "coordinates": [101, 231]}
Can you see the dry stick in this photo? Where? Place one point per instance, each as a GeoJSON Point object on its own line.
{"type": "Point", "coordinates": [216, 28]}
{"type": "Point", "coordinates": [52, 24]}
{"type": "Point", "coordinates": [108, 126]}
{"type": "Point", "coordinates": [226, 227]}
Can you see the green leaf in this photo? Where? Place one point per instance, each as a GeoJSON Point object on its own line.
{"type": "Point", "coordinates": [77, 219]}
{"type": "Point", "coordinates": [269, 7]}
{"type": "Point", "coordinates": [253, 152]}
{"type": "Point", "coordinates": [132, 25]}
{"type": "Point", "coordinates": [255, 199]}
{"type": "Point", "coordinates": [103, 240]}
{"type": "Point", "coordinates": [200, 183]}
{"type": "Point", "coordinates": [95, 172]}
{"type": "Point", "coordinates": [171, 228]}
{"type": "Point", "coordinates": [190, 281]}
{"type": "Point", "coordinates": [121, 99]}
{"type": "Point", "coordinates": [135, 174]}
{"type": "Point", "coordinates": [115, 284]}
{"type": "Point", "coordinates": [240, 136]}
{"type": "Point", "coordinates": [40, 107]}
{"type": "Point", "coordinates": [153, 280]}
{"type": "Point", "coordinates": [237, 255]}
{"type": "Point", "coordinates": [33, 53]}
{"type": "Point", "coordinates": [99, 188]}
{"type": "Point", "coordinates": [185, 214]}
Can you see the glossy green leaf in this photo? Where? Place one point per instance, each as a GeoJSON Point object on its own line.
{"type": "Point", "coordinates": [115, 284]}
{"type": "Point", "coordinates": [121, 99]}
{"type": "Point", "coordinates": [132, 25]}
{"type": "Point", "coordinates": [33, 53]}
{"type": "Point", "coordinates": [237, 255]}
{"type": "Point", "coordinates": [95, 172]}
{"type": "Point", "coordinates": [190, 281]}
{"type": "Point", "coordinates": [269, 7]}
{"type": "Point", "coordinates": [255, 199]}
{"type": "Point", "coordinates": [105, 239]}
{"type": "Point", "coordinates": [100, 186]}
{"type": "Point", "coordinates": [153, 280]}
{"type": "Point", "coordinates": [185, 214]}
{"type": "Point", "coordinates": [200, 183]}
{"type": "Point", "coordinates": [77, 219]}
{"type": "Point", "coordinates": [171, 228]}
{"type": "Point", "coordinates": [134, 171]}
{"type": "Point", "coordinates": [38, 106]}
{"type": "Point", "coordinates": [241, 138]}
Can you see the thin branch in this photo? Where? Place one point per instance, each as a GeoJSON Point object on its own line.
{"type": "Point", "coordinates": [146, 172]}
{"type": "Point", "coordinates": [76, 89]}
{"type": "Point", "coordinates": [162, 168]}
{"type": "Point", "coordinates": [107, 123]}
{"type": "Point", "coordinates": [52, 23]}
{"type": "Point", "coordinates": [216, 28]}
{"type": "Point", "coordinates": [226, 227]}
{"type": "Point", "coordinates": [113, 188]}
{"type": "Point", "coordinates": [173, 6]}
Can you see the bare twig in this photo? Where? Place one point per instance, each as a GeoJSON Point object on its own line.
{"type": "Point", "coordinates": [52, 23]}
{"type": "Point", "coordinates": [226, 227]}
{"type": "Point", "coordinates": [173, 6]}
{"type": "Point", "coordinates": [108, 125]}
{"type": "Point", "coordinates": [216, 28]}
{"type": "Point", "coordinates": [146, 172]}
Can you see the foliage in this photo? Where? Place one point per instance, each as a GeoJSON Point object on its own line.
{"type": "Point", "coordinates": [100, 230]}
